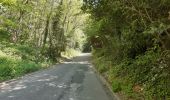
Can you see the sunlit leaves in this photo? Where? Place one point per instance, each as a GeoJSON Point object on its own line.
{"type": "Point", "coordinates": [8, 2]}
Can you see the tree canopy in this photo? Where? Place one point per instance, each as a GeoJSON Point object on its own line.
{"type": "Point", "coordinates": [36, 33]}
{"type": "Point", "coordinates": [131, 40]}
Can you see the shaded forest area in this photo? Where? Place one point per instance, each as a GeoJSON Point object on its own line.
{"type": "Point", "coordinates": [37, 33]}
{"type": "Point", "coordinates": [131, 45]}
{"type": "Point", "coordinates": [130, 40]}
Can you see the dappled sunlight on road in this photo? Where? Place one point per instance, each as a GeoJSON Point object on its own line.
{"type": "Point", "coordinates": [4, 87]}
{"type": "Point", "coordinates": [72, 80]}
{"type": "Point", "coordinates": [16, 85]}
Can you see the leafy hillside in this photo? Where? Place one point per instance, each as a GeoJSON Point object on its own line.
{"type": "Point", "coordinates": [131, 45]}
{"type": "Point", "coordinates": [17, 60]}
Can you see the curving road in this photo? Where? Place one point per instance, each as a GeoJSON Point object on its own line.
{"type": "Point", "coordinates": [73, 80]}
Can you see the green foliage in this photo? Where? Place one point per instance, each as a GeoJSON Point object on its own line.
{"type": "Point", "coordinates": [17, 60]}
{"type": "Point", "coordinates": [6, 69]}
{"type": "Point", "coordinates": [8, 2]}
{"type": "Point", "coordinates": [87, 47]}
{"type": "Point", "coordinates": [101, 62]}
{"type": "Point", "coordinates": [116, 86]}
{"type": "Point", "coordinates": [135, 37]}
{"type": "Point", "coordinates": [34, 34]}
{"type": "Point", "coordinates": [4, 35]}
{"type": "Point", "coordinates": [25, 67]}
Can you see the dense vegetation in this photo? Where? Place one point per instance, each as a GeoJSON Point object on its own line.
{"type": "Point", "coordinates": [131, 45]}
{"type": "Point", "coordinates": [36, 33]}
{"type": "Point", "coordinates": [130, 40]}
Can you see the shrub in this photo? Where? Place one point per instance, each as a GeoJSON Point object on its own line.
{"type": "Point", "coordinates": [24, 67]}
{"type": "Point", "coordinates": [116, 86]}
{"type": "Point", "coordinates": [6, 69]}
{"type": "Point", "coordinates": [12, 62]}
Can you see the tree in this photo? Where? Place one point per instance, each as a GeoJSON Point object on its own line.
{"type": "Point", "coordinates": [133, 34]}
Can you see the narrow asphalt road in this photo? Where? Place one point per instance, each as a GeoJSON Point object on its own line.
{"type": "Point", "coordinates": [73, 80]}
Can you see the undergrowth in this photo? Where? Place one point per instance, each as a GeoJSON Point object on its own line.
{"type": "Point", "coordinates": [145, 77]}
{"type": "Point", "coordinates": [17, 60]}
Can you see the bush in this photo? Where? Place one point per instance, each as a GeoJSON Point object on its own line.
{"type": "Point", "coordinates": [17, 60]}
{"type": "Point", "coordinates": [6, 69]}
{"type": "Point", "coordinates": [12, 68]}
{"type": "Point", "coordinates": [147, 74]}
{"type": "Point", "coordinates": [25, 67]}
{"type": "Point", "coordinates": [116, 86]}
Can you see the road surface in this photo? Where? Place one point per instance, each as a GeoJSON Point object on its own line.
{"type": "Point", "coordinates": [74, 80]}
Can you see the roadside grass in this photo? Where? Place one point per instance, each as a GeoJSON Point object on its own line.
{"type": "Point", "coordinates": [17, 60]}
